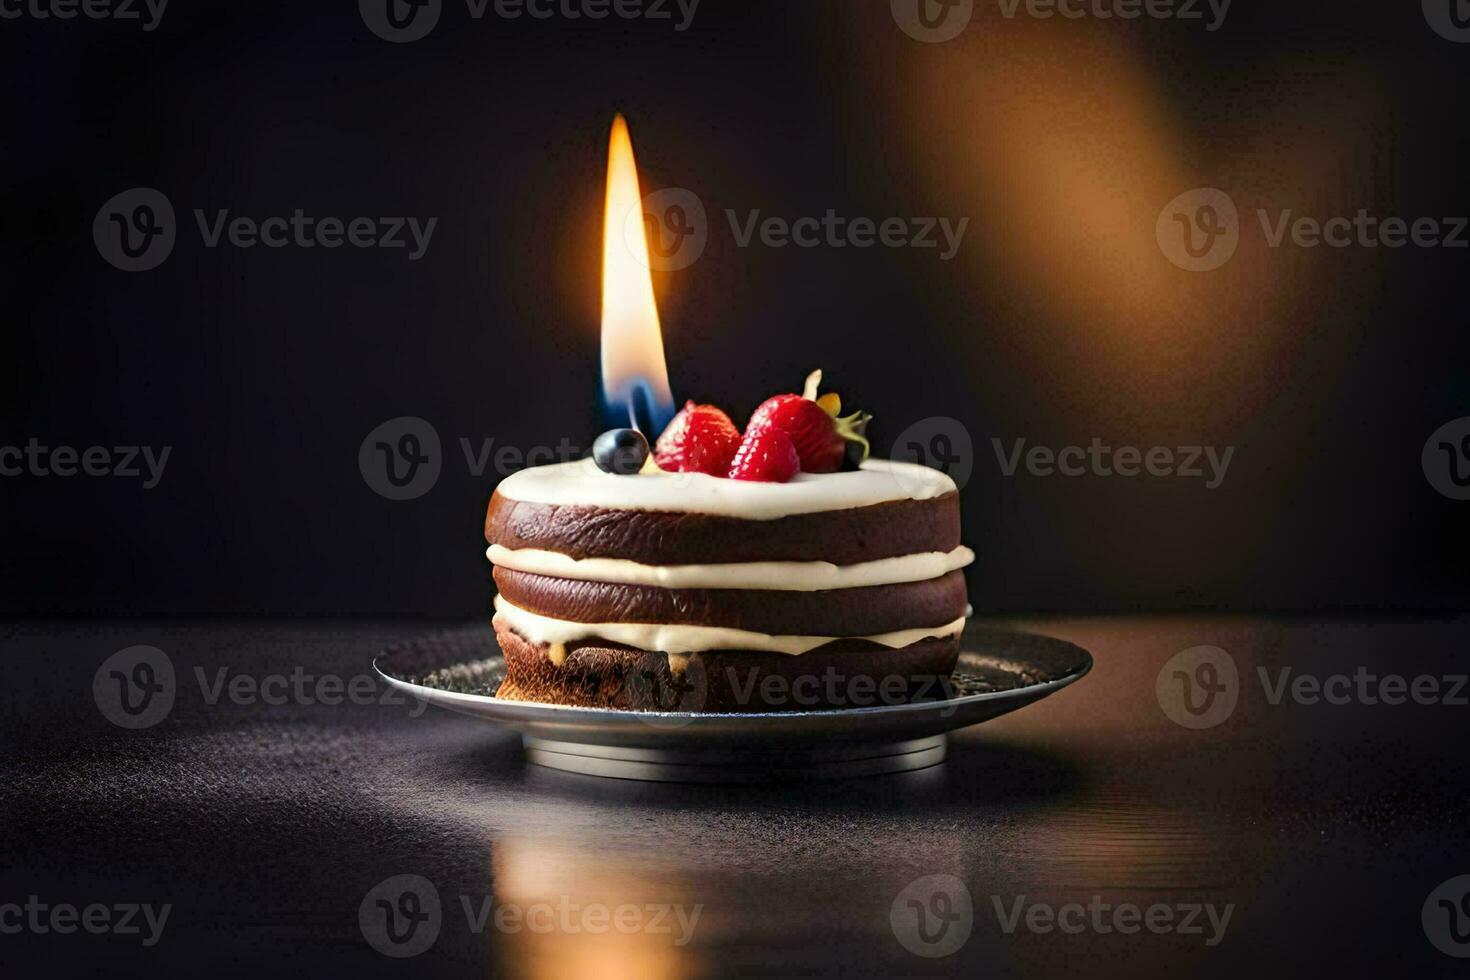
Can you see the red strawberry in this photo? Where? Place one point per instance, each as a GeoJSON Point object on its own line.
{"type": "Point", "coordinates": [765, 456]}
{"type": "Point", "coordinates": [812, 425]}
{"type": "Point", "coordinates": [700, 439]}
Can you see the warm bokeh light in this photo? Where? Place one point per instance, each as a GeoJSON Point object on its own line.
{"type": "Point", "coordinates": [632, 346]}
{"type": "Point", "coordinates": [1064, 145]}
{"type": "Point", "coordinates": [555, 882]}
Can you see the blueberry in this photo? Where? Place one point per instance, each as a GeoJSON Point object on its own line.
{"type": "Point", "coordinates": [620, 451]}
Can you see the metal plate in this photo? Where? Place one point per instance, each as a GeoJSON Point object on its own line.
{"type": "Point", "coordinates": [998, 672]}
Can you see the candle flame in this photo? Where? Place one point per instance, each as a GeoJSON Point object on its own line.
{"type": "Point", "coordinates": [635, 377]}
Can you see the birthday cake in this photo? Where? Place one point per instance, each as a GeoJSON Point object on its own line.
{"type": "Point", "coordinates": [770, 570]}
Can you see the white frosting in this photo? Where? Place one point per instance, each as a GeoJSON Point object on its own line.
{"type": "Point", "coordinates": [785, 576]}
{"type": "Point", "coordinates": [581, 483]}
{"type": "Point", "coordinates": [679, 638]}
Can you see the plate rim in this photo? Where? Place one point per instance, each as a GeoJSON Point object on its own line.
{"type": "Point", "coordinates": [693, 717]}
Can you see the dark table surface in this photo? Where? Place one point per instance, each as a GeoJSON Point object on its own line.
{"type": "Point", "coordinates": [1323, 830]}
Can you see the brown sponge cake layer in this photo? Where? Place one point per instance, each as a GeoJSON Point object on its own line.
{"type": "Point", "coordinates": [836, 612]}
{"type": "Point", "coordinates": [842, 674]}
{"type": "Point", "coordinates": [842, 537]}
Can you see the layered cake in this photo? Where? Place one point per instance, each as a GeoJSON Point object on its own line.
{"type": "Point", "coordinates": [730, 580]}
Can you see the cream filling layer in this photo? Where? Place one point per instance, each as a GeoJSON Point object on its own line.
{"type": "Point", "coordinates": [677, 638]}
{"type": "Point", "coordinates": [782, 576]}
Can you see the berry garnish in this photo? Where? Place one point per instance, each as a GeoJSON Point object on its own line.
{"type": "Point", "coordinates": [700, 439]}
{"type": "Point", "coordinates": [820, 435]}
{"type": "Point", "coordinates": [765, 456]}
{"type": "Point", "coordinates": [620, 451]}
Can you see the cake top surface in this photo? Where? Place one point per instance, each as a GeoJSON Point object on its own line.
{"type": "Point", "coordinates": [581, 484]}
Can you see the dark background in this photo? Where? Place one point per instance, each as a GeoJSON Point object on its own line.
{"type": "Point", "coordinates": [1058, 321]}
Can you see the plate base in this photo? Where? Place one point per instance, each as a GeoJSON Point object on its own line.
{"type": "Point", "coordinates": [697, 765]}
{"type": "Point", "coordinates": [998, 672]}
